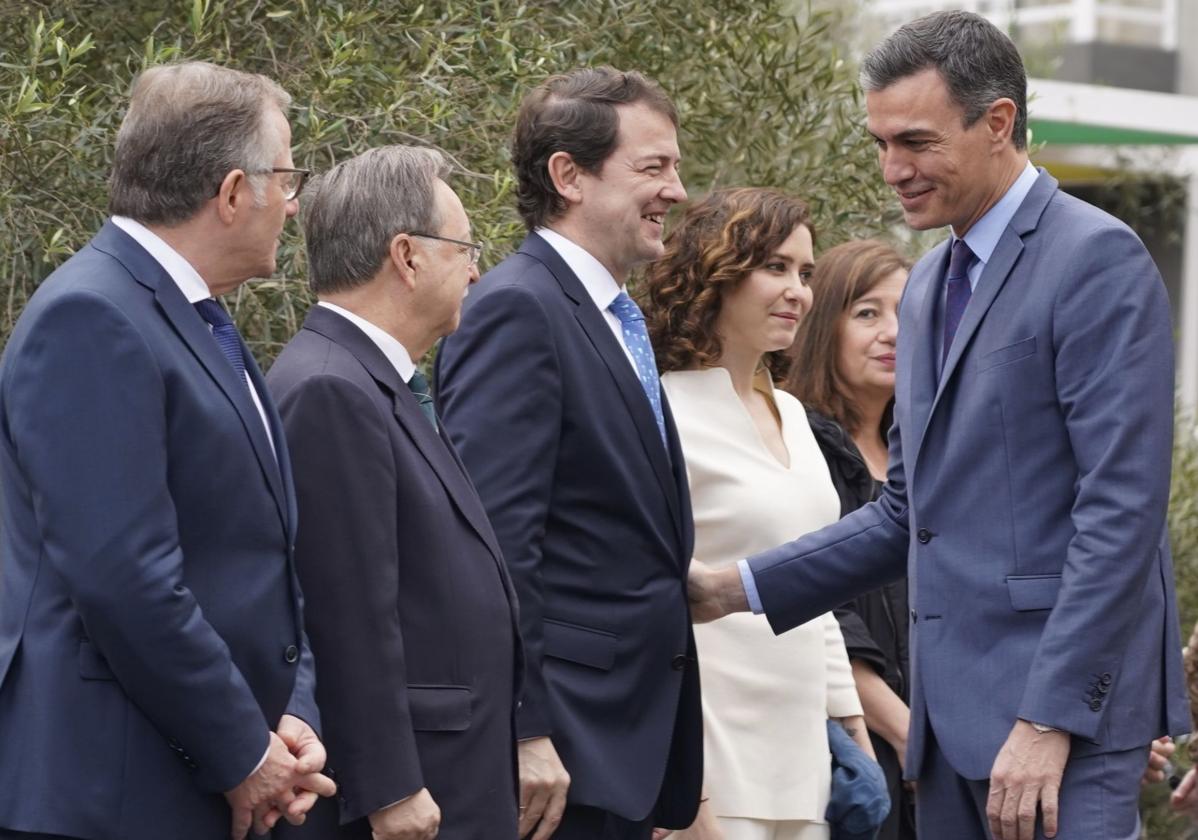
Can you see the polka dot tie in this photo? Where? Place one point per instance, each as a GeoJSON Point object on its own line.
{"type": "Point", "coordinates": [636, 337]}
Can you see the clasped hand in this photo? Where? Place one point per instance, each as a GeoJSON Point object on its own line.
{"type": "Point", "coordinates": [287, 784]}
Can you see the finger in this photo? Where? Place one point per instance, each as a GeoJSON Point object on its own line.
{"type": "Point", "coordinates": [1025, 814]}
{"type": "Point", "coordinates": [534, 804]}
{"type": "Point", "coordinates": [318, 783]}
{"type": "Point", "coordinates": [994, 806]}
{"type": "Point", "coordinates": [1008, 819]}
{"type": "Point", "coordinates": [1050, 808]}
{"type": "Point", "coordinates": [310, 758]}
{"type": "Point", "coordinates": [552, 817]}
{"type": "Point", "coordinates": [260, 826]}
{"type": "Point", "coordinates": [242, 820]}
{"type": "Point", "coordinates": [302, 805]}
{"type": "Point", "coordinates": [271, 818]}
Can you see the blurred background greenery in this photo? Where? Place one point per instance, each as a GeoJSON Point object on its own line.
{"type": "Point", "coordinates": [766, 90]}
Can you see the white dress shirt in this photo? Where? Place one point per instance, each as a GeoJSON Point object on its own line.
{"type": "Point", "coordinates": [190, 283]}
{"type": "Point", "coordinates": [389, 345]}
{"type": "Point", "coordinates": [597, 280]}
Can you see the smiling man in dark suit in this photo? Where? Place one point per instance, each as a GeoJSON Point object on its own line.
{"type": "Point", "coordinates": [551, 393]}
{"type": "Point", "coordinates": [410, 610]}
{"type": "Point", "coordinates": [150, 620]}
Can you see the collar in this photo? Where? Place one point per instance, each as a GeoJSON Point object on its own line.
{"type": "Point", "coordinates": [596, 279]}
{"type": "Point", "coordinates": [189, 281]}
{"type": "Point", "coordinates": [388, 344]}
{"type": "Point", "coordinates": [983, 237]}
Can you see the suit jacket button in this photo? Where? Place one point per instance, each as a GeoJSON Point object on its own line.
{"type": "Point", "coordinates": [291, 654]}
{"type": "Point", "coordinates": [923, 535]}
{"type": "Point", "coordinates": [1095, 705]}
{"type": "Point", "coordinates": [1105, 679]}
{"type": "Point", "coordinates": [678, 662]}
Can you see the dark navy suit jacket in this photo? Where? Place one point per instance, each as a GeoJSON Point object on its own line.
{"type": "Point", "coordinates": [594, 519]}
{"type": "Point", "coordinates": [150, 618]}
{"type": "Point", "coordinates": [410, 609]}
{"type": "Point", "coordinates": [1026, 498]}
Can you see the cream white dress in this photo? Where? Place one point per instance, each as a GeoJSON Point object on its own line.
{"type": "Point", "coordinates": [766, 698]}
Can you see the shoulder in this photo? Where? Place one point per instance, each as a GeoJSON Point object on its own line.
{"type": "Point", "coordinates": [313, 364]}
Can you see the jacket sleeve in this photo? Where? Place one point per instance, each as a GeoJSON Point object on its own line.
{"type": "Point", "coordinates": [499, 392]}
{"type": "Point", "coordinates": [1113, 357]}
{"type": "Point", "coordinates": [84, 404]}
{"type": "Point", "coordinates": [348, 542]}
{"type": "Point", "coordinates": [820, 571]}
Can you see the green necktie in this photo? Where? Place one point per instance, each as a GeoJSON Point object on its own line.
{"type": "Point", "coordinates": [419, 387]}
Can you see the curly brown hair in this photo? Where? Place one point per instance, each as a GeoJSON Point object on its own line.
{"type": "Point", "coordinates": [720, 240]}
{"type": "Point", "coordinates": [842, 275]}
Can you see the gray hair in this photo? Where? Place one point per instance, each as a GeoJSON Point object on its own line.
{"type": "Point", "coordinates": [188, 126]}
{"type": "Point", "coordinates": [977, 61]}
{"type": "Point", "coordinates": [360, 205]}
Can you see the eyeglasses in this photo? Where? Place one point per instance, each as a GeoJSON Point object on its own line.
{"type": "Point", "coordinates": [294, 183]}
{"type": "Point", "coordinates": [473, 250]}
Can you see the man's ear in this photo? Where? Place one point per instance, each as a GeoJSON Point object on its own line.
{"type": "Point", "coordinates": [1000, 120]}
{"type": "Point", "coordinates": [566, 176]}
{"type": "Point", "coordinates": [235, 193]}
{"type": "Point", "coordinates": [404, 257]}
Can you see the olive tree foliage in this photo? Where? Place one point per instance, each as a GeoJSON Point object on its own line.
{"type": "Point", "coordinates": [764, 94]}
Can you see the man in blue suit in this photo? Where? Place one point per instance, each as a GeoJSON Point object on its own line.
{"type": "Point", "coordinates": [551, 395]}
{"type": "Point", "coordinates": [1029, 469]}
{"type": "Point", "coordinates": [410, 608]}
{"type": "Point", "coordinates": [154, 676]}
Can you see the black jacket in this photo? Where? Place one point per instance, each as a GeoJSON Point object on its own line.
{"type": "Point", "coordinates": [875, 624]}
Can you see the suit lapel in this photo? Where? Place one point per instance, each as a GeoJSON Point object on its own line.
{"type": "Point", "coordinates": [994, 276]}
{"type": "Point", "coordinates": [923, 332]}
{"type": "Point", "coordinates": [198, 338]}
{"type": "Point", "coordinates": [618, 366]}
{"type": "Point", "coordinates": [410, 418]}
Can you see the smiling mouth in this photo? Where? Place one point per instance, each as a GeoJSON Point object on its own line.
{"type": "Point", "coordinates": [654, 218]}
{"type": "Point", "coordinates": [912, 195]}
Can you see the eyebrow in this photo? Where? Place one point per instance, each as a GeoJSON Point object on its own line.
{"type": "Point", "coordinates": [908, 134]}
{"type": "Point", "coordinates": [777, 255]}
{"type": "Point", "coordinates": [658, 158]}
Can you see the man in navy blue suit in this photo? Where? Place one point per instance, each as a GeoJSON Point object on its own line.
{"type": "Point", "coordinates": [1029, 469]}
{"type": "Point", "coordinates": [410, 608]}
{"type": "Point", "coordinates": [155, 680]}
{"type": "Point", "coordinates": [550, 393]}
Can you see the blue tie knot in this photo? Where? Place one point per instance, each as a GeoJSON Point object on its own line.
{"type": "Point", "coordinates": [959, 260]}
{"type": "Point", "coordinates": [225, 333]}
{"type": "Point", "coordinates": [625, 308]}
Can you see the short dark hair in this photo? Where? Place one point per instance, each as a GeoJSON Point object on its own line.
{"type": "Point", "coordinates": [720, 241]}
{"type": "Point", "coordinates": [977, 61]}
{"type": "Point", "coordinates": [188, 126]}
{"type": "Point", "coordinates": [574, 113]}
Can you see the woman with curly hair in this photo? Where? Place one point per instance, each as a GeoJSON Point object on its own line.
{"type": "Point", "coordinates": [844, 376]}
{"type": "Point", "coordinates": [722, 307]}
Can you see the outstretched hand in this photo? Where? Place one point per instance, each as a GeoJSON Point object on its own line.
{"type": "Point", "coordinates": [714, 593]}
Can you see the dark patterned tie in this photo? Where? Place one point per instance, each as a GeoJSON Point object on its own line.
{"type": "Point", "coordinates": [957, 293]}
{"type": "Point", "coordinates": [224, 332]}
{"type": "Point", "coordinates": [420, 389]}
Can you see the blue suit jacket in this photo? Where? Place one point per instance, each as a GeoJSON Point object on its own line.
{"type": "Point", "coordinates": [594, 520]}
{"type": "Point", "coordinates": [409, 606]}
{"type": "Point", "coordinates": [1026, 498]}
{"type": "Point", "coordinates": [150, 618]}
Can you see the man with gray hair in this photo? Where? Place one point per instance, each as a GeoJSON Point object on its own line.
{"type": "Point", "coordinates": [152, 654]}
{"type": "Point", "coordinates": [410, 609]}
{"type": "Point", "coordinates": [1028, 470]}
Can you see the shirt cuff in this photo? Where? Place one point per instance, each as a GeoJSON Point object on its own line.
{"type": "Point", "coordinates": [261, 761]}
{"type": "Point", "coordinates": [750, 585]}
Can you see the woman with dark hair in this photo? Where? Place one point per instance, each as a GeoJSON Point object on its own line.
{"type": "Point", "coordinates": [722, 307]}
{"type": "Point", "coordinates": [844, 375]}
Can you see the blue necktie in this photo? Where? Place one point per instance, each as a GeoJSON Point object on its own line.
{"type": "Point", "coordinates": [636, 337]}
{"type": "Point", "coordinates": [957, 293]}
{"type": "Point", "coordinates": [420, 389]}
{"type": "Point", "coordinates": [225, 334]}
